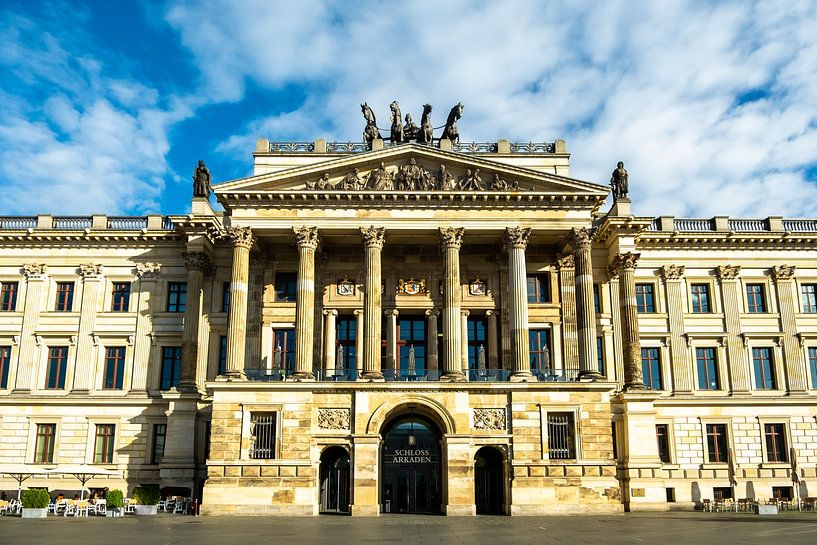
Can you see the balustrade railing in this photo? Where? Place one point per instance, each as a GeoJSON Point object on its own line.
{"type": "Point", "coordinates": [167, 224]}
{"type": "Point", "coordinates": [800, 226]}
{"type": "Point", "coordinates": [694, 224]}
{"type": "Point", "coordinates": [70, 223]}
{"type": "Point", "coordinates": [128, 223]}
{"type": "Point", "coordinates": [409, 375]}
{"type": "Point", "coordinates": [291, 147]}
{"type": "Point", "coordinates": [21, 222]}
{"type": "Point", "coordinates": [748, 225]}
{"type": "Point", "coordinates": [555, 375]}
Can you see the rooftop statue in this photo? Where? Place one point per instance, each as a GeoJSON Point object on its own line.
{"type": "Point", "coordinates": [450, 131]}
{"type": "Point", "coordinates": [410, 129]}
{"type": "Point", "coordinates": [201, 181]}
{"type": "Point", "coordinates": [426, 133]}
{"type": "Point", "coordinates": [620, 182]}
{"type": "Point", "coordinates": [371, 132]}
{"type": "Point", "coordinates": [397, 134]}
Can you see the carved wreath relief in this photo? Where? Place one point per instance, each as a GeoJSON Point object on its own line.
{"type": "Point", "coordinates": [490, 419]}
{"type": "Point", "coordinates": [333, 419]}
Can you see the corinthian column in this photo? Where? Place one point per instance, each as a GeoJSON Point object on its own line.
{"type": "Point", "coordinates": [197, 264]}
{"type": "Point", "coordinates": [242, 240]}
{"type": "Point", "coordinates": [582, 242]}
{"type": "Point", "coordinates": [307, 239]}
{"type": "Point", "coordinates": [373, 238]}
{"type": "Point", "coordinates": [516, 240]}
{"type": "Point", "coordinates": [451, 239]}
{"type": "Point", "coordinates": [625, 265]}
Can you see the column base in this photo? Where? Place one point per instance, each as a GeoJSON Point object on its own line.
{"type": "Point", "coordinates": [303, 376]}
{"type": "Point", "coordinates": [188, 388]}
{"type": "Point", "coordinates": [522, 376]}
{"type": "Point", "coordinates": [232, 376]}
{"type": "Point", "coordinates": [590, 376]}
{"type": "Point", "coordinates": [371, 376]}
{"type": "Point", "coordinates": [632, 386]}
{"type": "Point", "coordinates": [453, 376]}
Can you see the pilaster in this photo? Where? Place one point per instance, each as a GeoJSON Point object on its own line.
{"type": "Point", "coordinates": [92, 279]}
{"type": "Point", "coordinates": [493, 341]}
{"type": "Point", "coordinates": [329, 336]}
{"type": "Point", "coordinates": [197, 263]}
{"type": "Point", "coordinates": [36, 291]}
{"type": "Point", "coordinates": [148, 275]}
{"type": "Point", "coordinates": [359, 317]}
{"type": "Point", "coordinates": [682, 374]}
{"type": "Point", "coordinates": [567, 296]}
{"type": "Point", "coordinates": [796, 371]}
{"type": "Point", "coordinates": [431, 326]}
{"type": "Point", "coordinates": [739, 375]}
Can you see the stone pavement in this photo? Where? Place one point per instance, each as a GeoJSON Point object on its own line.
{"type": "Point", "coordinates": [662, 528]}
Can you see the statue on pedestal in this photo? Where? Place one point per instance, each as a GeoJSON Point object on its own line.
{"type": "Point", "coordinates": [371, 132]}
{"type": "Point", "coordinates": [397, 135]}
{"type": "Point", "coordinates": [410, 129]}
{"type": "Point", "coordinates": [426, 133]}
{"type": "Point", "coordinates": [201, 181]}
{"type": "Point", "coordinates": [620, 182]}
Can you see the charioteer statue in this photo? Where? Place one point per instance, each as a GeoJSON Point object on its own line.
{"type": "Point", "coordinates": [410, 132]}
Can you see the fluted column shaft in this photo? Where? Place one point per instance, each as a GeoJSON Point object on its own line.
{"type": "Point", "coordinates": [148, 274]}
{"type": "Point", "coordinates": [731, 295]}
{"type": "Point", "coordinates": [796, 371]}
{"type": "Point", "coordinates": [242, 240]}
{"type": "Point", "coordinates": [682, 371]}
{"type": "Point", "coordinates": [493, 344]}
{"type": "Point", "coordinates": [36, 292]}
{"type": "Point", "coordinates": [307, 239]}
{"type": "Point", "coordinates": [433, 362]}
{"type": "Point", "coordinates": [582, 241]}
{"type": "Point", "coordinates": [83, 369]}
{"type": "Point", "coordinates": [451, 239]}
{"type": "Point", "coordinates": [516, 240]}
{"type": "Point", "coordinates": [197, 264]}
{"type": "Point", "coordinates": [359, 317]}
{"type": "Point", "coordinates": [625, 264]}
{"type": "Point", "coordinates": [329, 337]}
{"type": "Point", "coordinates": [567, 292]}
{"type": "Point", "coordinates": [373, 239]}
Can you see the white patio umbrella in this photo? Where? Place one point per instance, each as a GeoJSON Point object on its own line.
{"type": "Point", "coordinates": [84, 473]}
{"type": "Point", "coordinates": [795, 477]}
{"type": "Point", "coordinates": [21, 473]}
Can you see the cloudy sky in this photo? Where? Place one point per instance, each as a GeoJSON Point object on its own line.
{"type": "Point", "coordinates": [107, 106]}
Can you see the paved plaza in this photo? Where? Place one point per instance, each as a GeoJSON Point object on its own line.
{"type": "Point", "coordinates": [664, 528]}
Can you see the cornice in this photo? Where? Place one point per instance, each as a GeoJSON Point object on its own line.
{"type": "Point", "coordinates": [611, 227]}
{"type": "Point", "coordinates": [73, 238]}
{"type": "Point", "coordinates": [726, 241]}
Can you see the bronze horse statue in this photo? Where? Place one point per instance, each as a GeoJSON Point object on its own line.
{"type": "Point", "coordinates": [450, 131]}
{"type": "Point", "coordinates": [426, 133]}
{"type": "Point", "coordinates": [397, 134]}
{"type": "Point", "coordinates": [371, 132]}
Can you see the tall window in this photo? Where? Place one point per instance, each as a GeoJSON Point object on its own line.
{"type": "Point", "coordinates": [755, 298]}
{"type": "Point", "coordinates": [540, 350]}
{"type": "Point", "coordinates": [716, 443]}
{"type": "Point", "coordinates": [65, 297]}
{"type": "Point", "coordinates": [812, 363]}
{"type": "Point", "coordinates": [600, 355]}
{"type": "Point", "coordinates": [8, 296]}
{"type": "Point", "coordinates": [411, 345]}
{"type": "Point", "coordinates": [700, 298]}
{"type": "Point", "coordinates": [707, 369]}
{"type": "Point", "coordinates": [644, 297]}
{"type": "Point", "coordinates": [120, 297]}
{"type": "Point", "coordinates": [225, 297]}
{"type": "Point", "coordinates": [286, 287]}
{"type": "Point", "coordinates": [262, 430]}
{"type": "Point", "coordinates": [171, 366]}
{"type": "Point", "coordinates": [651, 367]}
{"type": "Point", "coordinates": [764, 368]}
{"type": "Point", "coordinates": [809, 294]}
{"type": "Point", "coordinates": [57, 364]}
{"type": "Point", "coordinates": [44, 443]}
{"type": "Point", "coordinates": [114, 368]}
{"type": "Point", "coordinates": [104, 443]}
{"type": "Point", "coordinates": [5, 363]}
{"type": "Point", "coordinates": [538, 288]}
{"type": "Point", "coordinates": [176, 296]}
{"type": "Point", "coordinates": [662, 436]}
{"type": "Point", "coordinates": [284, 356]}
{"type": "Point", "coordinates": [347, 342]}
{"type": "Point", "coordinates": [775, 435]}
{"type": "Point", "coordinates": [157, 453]}
{"type": "Point", "coordinates": [222, 354]}
{"type": "Point", "coordinates": [561, 436]}
{"type": "Point", "coordinates": [477, 343]}
{"type": "Point", "coordinates": [596, 298]}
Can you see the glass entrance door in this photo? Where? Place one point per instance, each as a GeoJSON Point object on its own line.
{"type": "Point", "coordinates": [334, 477]}
{"type": "Point", "coordinates": [411, 467]}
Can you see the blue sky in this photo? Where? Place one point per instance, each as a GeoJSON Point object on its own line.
{"type": "Point", "coordinates": [105, 106]}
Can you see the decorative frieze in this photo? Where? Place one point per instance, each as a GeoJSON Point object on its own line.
{"type": "Point", "coordinates": [490, 419]}
{"type": "Point", "coordinates": [672, 272]}
{"type": "Point", "coordinates": [782, 272]}
{"type": "Point", "coordinates": [334, 419]}
{"type": "Point", "coordinates": [727, 272]}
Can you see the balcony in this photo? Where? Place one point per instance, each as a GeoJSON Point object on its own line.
{"type": "Point", "coordinates": [409, 375]}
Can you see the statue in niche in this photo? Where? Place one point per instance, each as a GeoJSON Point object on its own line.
{"type": "Point", "coordinates": [446, 180]}
{"type": "Point", "coordinates": [410, 129]}
{"type": "Point", "coordinates": [450, 131]}
{"type": "Point", "coordinates": [397, 135]}
{"type": "Point", "coordinates": [471, 181]}
{"type": "Point", "coordinates": [426, 133]}
{"type": "Point", "coordinates": [201, 181]}
{"type": "Point", "coordinates": [352, 181]}
{"type": "Point", "coordinates": [620, 182]}
{"type": "Point", "coordinates": [371, 132]}
{"type": "Point", "coordinates": [409, 176]}
{"type": "Point", "coordinates": [501, 185]}
{"type": "Point", "coordinates": [380, 179]}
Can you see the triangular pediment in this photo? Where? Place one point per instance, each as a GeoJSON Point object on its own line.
{"type": "Point", "coordinates": [411, 168]}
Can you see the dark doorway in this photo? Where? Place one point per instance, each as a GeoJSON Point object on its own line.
{"type": "Point", "coordinates": [334, 475]}
{"type": "Point", "coordinates": [411, 467]}
{"type": "Point", "coordinates": [489, 481]}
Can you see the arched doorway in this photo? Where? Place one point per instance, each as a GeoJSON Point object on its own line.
{"type": "Point", "coordinates": [489, 481]}
{"type": "Point", "coordinates": [411, 462]}
{"type": "Point", "coordinates": [334, 479]}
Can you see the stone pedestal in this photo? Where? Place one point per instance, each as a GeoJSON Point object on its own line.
{"type": "Point", "coordinates": [366, 460]}
{"type": "Point", "coordinates": [178, 464]}
{"type": "Point", "coordinates": [460, 500]}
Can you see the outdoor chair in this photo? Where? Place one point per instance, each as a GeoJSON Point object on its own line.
{"type": "Point", "coordinates": [707, 504]}
{"type": "Point", "coordinates": [100, 507]}
{"type": "Point", "coordinates": [130, 506]}
{"type": "Point", "coordinates": [4, 505]}
{"type": "Point", "coordinates": [15, 507]}
{"type": "Point", "coordinates": [81, 509]}
{"type": "Point", "coordinates": [181, 506]}
{"type": "Point", "coordinates": [70, 509]}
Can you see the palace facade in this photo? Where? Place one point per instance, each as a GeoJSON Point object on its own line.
{"type": "Point", "coordinates": [384, 328]}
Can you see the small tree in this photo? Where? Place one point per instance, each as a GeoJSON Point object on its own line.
{"type": "Point", "coordinates": [148, 495]}
{"type": "Point", "coordinates": [36, 498]}
{"type": "Point", "coordinates": [115, 499]}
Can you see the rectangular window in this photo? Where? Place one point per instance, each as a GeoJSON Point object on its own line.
{"type": "Point", "coordinates": [176, 296]}
{"type": "Point", "coordinates": [764, 368]}
{"type": "Point", "coordinates": [561, 436]}
{"type": "Point", "coordinates": [538, 288]}
{"type": "Point", "coordinates": [5, 363]}
{"type": "Point", "coordinates": [809, 294]}
{"type": "Point", "coordinates": [651, 367]}
{"type": "Point", "coordinates": [44, 443]}
{"type": "Point", "coordinates": [477, 343]}
{"type": "Point", "coordinates": [57, 364]}
{"type": "Point", "coordinates": [596, 298]}
{"type": "Point", "coordinates": [157, 454]}
{"type": "Point", "coordinates": [347, 343]}
{"type": "Point", "coordinates": [540, 351]}
{"type": "Point", "coordinates": [171, 366]}
{"type": "Point", "coordinates": [700, 298]}
{"type": "Point", "coordinates": [716, 443]}
{"type": "Point", "coordinates": [600, 355]}
{"type": "Point", "coordinates": [114, 368]}
{"type": "Point", "coordinates": [262, 431]}
{"type": "Point", "coordinates": [755, 298]}
{"type": "Point", "coordinates": [104, 443]}
{"type": "Point", "coordinates": [120, 297]}
{"type": "Point", "coordinates": [644, 297]}
{"type": "Point", "coordinates": [286, 287]}
{"type": "Point", "coordinates": [775, 435]}
{"type": "Point", "coordinates": [662, 436]}
{"type": "Point", "coordinates": [222, 354]}
{"type": "Point", "coordinates": [411, 346]}
{"type": "Point", "coordinates": [707, 361]}
{"type": "Point", "coordinates": [225, 297]}
{"type": "Point", "coordinates": [8, 296]}
{"type": "Point", "coordinates": [65, 297]}
{"type": "Point", "coordinates": [812, 363]}
{"type": "Point", "coordinates": [284, 357]}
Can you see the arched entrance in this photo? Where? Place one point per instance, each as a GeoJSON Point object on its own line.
{"type": "Point", "coordinates": [489, 481]}
{"type": "Point", "coordinates": [334, 479]}
{"type": "Point", "coordinates": [411, 462]}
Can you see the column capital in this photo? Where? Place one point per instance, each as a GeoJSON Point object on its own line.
{"type": "Point", "coordinates": [90, 271]}
{"type": "Point", "coordinates": [307, 237]}
{"type": "Point", "coordinates": [148, 271]}
{"type": "Point", "coordinates": [432, 312]}
{"type": "Point", "coordinates": [626, 261]}
{"type": "Point", "coordinates": [782, 272]}
{"type": "Point", "coordinates": [727, 272]}
{"type": "Point", "coordinates": [451, 237]}
{"type": "Point", "coordinates": [391, 312]}
{"type": "Point", "coordinates": [566, 261]}
{"type": "Point", "coordinates": [358, 312]}
{"type": "Point", "coordinates": [241, 237]}
{"type": "Point", "coordinates": [373, 237]}
{"type": "Point", "coordinates": [465, 312]}
{"type": "Point", "coordinates": [197, 261]}
{"type": "Point", "coordinates": [331, 311]}
{"type": "Point", "coordinates": [491, 313]}
{"type": "Point", "coordinates": [581, 238]}
{"type": "Point", "coordinates": [517, 237]}
{"type": "Point", "coordinates": [672, 272]}
{"type": "Point", "coordinates": [35, 271]}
